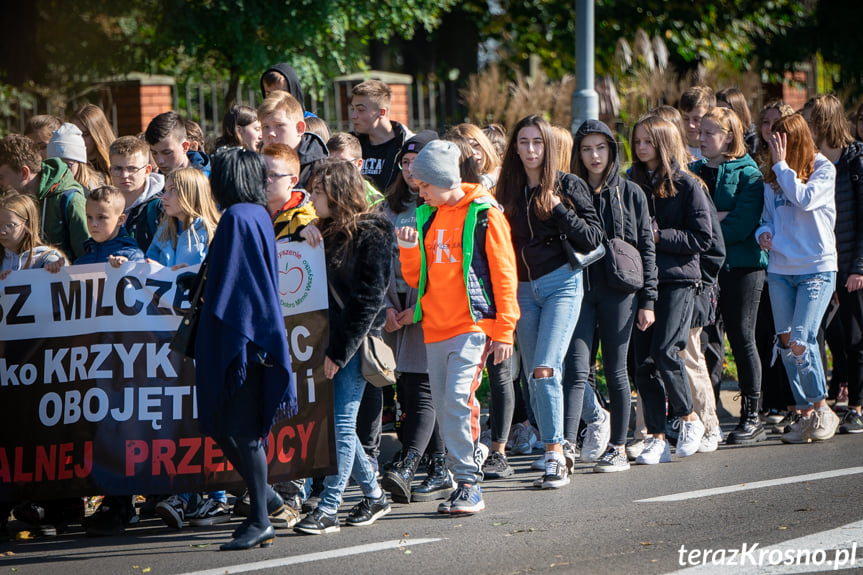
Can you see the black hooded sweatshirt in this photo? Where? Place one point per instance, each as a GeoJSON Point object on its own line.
{"type": "Point", "coordinates": [288, 72]}
{"type": "Point", "coordinates": [624, 213]}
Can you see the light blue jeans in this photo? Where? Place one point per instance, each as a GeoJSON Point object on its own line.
{"type": "Point", "coordinates": [799, 303]}
{"type": "Point", "coordinates": [348, 387]}
{"type": "Point", "coordinates": [549, 311]}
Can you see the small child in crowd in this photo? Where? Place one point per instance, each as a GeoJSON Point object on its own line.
{"type": "Point", "coordinates": [109, 241]}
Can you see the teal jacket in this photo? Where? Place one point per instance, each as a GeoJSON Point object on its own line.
{"type": "Point", "coordinates": [740, 192]}
{"type": "Point", "coordinates": [66, 229]}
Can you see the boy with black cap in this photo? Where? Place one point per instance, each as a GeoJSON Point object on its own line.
{"type": "Point", "coordinates": [460, 257]}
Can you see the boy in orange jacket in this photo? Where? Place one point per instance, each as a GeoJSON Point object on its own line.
{"type": "Point", "coordinates": [461, 259]}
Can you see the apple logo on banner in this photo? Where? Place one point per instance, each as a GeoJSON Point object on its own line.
{"type": "Point", "coordinates": [296, 273]}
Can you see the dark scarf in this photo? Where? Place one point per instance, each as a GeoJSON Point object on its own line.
{"type": "Point", "coordinates": [237, 320]}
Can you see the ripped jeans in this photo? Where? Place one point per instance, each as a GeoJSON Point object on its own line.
{"type": "Point", "coordinates": [799, 303]}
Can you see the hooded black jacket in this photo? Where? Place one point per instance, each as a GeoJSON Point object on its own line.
{"type": "Point", "coordinates": [311, 150]}
{"type": "Point", "coordinates": [623, 211]}
{"type": "Point", "coordinates": [685, 230]}
{"type": "Point", "coordinates": [290, 76]}
{"type": "Point", "coordinates": [849, 210]}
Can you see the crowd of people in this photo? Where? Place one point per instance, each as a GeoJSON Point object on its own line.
{"type": "Point", "coordinates": [521, 256]}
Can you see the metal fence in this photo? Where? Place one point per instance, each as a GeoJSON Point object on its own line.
{"type": "Point", "coordinates": [432, 104]}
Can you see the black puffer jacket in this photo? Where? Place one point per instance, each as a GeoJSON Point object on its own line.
{"type": "Point", "coordinates": [359, 271]}
{"type": "Point", "coordinates": [849, 210]}
{"type": "Point", "coordinates": [684, 229]}
{"type": "Point", "coordinates": [623, 211]}
{"type": "Point", "coordinates": [537, 243]}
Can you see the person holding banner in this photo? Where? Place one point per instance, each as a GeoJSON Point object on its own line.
{"type": "Point", "coordinates": [358, 248]}
{"type": "Point", "coordinates": [243, 368]}
{"type": "Point", "coordinates": [20, 246]}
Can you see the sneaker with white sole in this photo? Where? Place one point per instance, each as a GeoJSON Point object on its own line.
{"type": "Point", "coordinates": [596, 437]}
{"type": "Point", "coordinates": [466, 500]}
{"type": "Point", "coordinates": [710, 441]}
{"type": "Point", "coordinates": [368, 510]}
{"type": "Point", "coordinates": [690, 436]}
{"type": "Point", "coordinates": [612, 460]}
{"type": "Point", "coordinates": [800, 431]}
{"type": "Point", "coordinates": [655, 451]}
{"type": "Point", "coordinates": [634, 447]}
{"type": "Point", "coordinates": [210, 512]}
{"type": "Point", "coordinates": [570, 455]}
{"type": "Point", "coordinates": [852, 422]}
{"type": "Point", "coordinates": [824, 424]}
{"type": "Point", "coordinates": [556, 473]}
{"type": "Point", "coordinates": [538, 464]}
{"type": "Point", "coordinates": [318, 522]}
{"type": "Point", "coordinates": [523, 439]}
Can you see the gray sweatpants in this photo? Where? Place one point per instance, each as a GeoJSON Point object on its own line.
{"type": "Point", "coordinates": [455, 372]}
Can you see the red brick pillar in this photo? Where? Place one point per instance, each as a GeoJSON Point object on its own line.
{"type": "Point", "coordinates": [138, 100]}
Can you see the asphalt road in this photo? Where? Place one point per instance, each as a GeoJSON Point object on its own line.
{"type": "Point", "coordinates": [600, 523]}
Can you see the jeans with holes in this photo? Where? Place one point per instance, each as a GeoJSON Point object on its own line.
{"type": "Point", "coordinates": [799, 303]}
{"type": "Point", "coordinates": [549, 311]}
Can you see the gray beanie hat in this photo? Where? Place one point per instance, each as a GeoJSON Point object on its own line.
{"type": "Point", "coordinates": [67, 143]}
{"type": "Point", "coordinates": [437, 164]}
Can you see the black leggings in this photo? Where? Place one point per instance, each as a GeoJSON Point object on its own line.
{"type": "Point", "coordinates": [502, 398]}
{"type": "Point", "coordinates": [611, 314]}
{"type": "Point", "coordinates": [739, 296]}
{"type": "Point", "coordinates": [420, 431]}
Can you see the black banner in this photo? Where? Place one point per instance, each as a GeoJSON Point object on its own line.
{"type": "Point", "coordinates": [94, 401]}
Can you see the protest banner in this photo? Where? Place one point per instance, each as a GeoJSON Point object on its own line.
{"type": "Point", "coordinates": [93, 400]}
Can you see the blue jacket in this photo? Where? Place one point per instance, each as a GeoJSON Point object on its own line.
{"type": "Point", "coordinates": [122, 245]}
{"type": "Point", "coordinates": [190, 249]}
{"type": "Point", "coordinates": [199, 161]}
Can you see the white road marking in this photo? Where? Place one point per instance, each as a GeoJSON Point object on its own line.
{"type": "Point", "coordinates": [842, 549]}
{"type": "Point", "coordinates": [310, 557]}
{"type": "Point", "coordinates": [754, 485]}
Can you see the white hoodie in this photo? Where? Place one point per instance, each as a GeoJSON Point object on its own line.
{"type": "Point", "coordinates": [801, 218]}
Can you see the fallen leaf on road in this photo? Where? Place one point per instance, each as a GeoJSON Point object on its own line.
{"type": "Point", "coordinates": [145, 570]}
{"type": "Point", "coordinates": [23, 536]}
{"type": "Point", "coordinates": [782, 528]}
{"type": "Point", "coordinates": [501, 523]}
{"type": "Point", "coordinates": [7, 554]}
{"type": "Point", "coordinates": [408, 551]}
{"type": "Point", "coordinates": [804, 509]}
{"type": "Point", "coordinates": [646, 543]}
{"type": "Point", "coordinates": [199, 545]}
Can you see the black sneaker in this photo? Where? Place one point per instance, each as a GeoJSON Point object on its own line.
{"type": "Point", "coordinates": [496, 466]}
{"type": "Point", "coordinates": [110, 519]}
{"type": "Point", "coordinates": [368, 511]}
{"type": "Point", "coordinates": [851, 423]}
{"type": "Point", "coordinates": [318, 522]}
{"type": "Point", "coordinates": [790, 418]}
{"type": "Point", "coordinates": [172, 511]}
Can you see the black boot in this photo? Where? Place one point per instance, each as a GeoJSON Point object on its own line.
{"type": "Point", "coordinates": [438, 484]}
{"type": "Point", "coordinates": [749, 429]}
{"type": "Point", "coordinates": [399, 478]}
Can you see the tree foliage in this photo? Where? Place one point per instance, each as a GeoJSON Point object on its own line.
{"type": "Point", "coordinates": [694, 31]}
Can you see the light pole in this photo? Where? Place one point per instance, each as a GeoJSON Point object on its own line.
{"type": "Point", "coordinates": [585, 100]}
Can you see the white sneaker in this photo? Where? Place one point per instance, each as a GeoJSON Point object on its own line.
{"type": "Point", "coordinates": [539, 464]}
{"type": "Point", "coordinates": [824, 424]}
{"type": "Point", "coordinates": [523, 439]}
{"type": "Point", "coordinates": [655, 451]}
{"type": "Point", "coordinates": [480, 454]}
{"type": "Point", "coordinates": [691, 433]}
{"type": "Point", "coordinates": [596, 437]}
{"type": "Point", "coordinates": [710, 441]}
{"type": "Point", "coordinates": [634, 447]}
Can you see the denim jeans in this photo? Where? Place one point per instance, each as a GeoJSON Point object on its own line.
{"type": "Point", "coordinates": [799, 303]}
{"type": "Point", "coordinates": [348, 387]}
{"type": "Point", "coordinates": [549, 311]}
